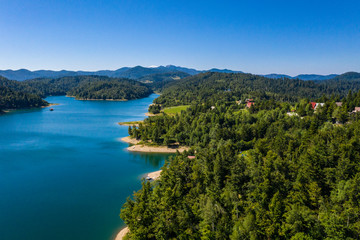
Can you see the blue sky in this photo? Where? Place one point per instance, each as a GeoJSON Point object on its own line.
{"type": "Point", "coordinates": [290, 37]}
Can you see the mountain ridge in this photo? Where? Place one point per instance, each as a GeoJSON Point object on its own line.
{"type": "Point", "coordinates": [138, 72]}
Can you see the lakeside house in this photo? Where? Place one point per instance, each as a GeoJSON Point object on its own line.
{"type": "Point", "coordinates": [249, 102]}
{"type": "Point", "coordinates": [191, 157]}
{"type": "Point", "coordinates": [315, 105]}
{"type": "Point", "coordinates": [339, 104]}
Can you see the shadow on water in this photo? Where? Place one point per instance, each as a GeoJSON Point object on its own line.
{"type": "Point", "coordinates": [156, 160]}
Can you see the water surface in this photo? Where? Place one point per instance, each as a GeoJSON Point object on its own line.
{"type": "Point", "coordinates": [64, 174]}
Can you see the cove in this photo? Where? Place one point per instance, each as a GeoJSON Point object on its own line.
{"type": "Point", "coordinates": [64, 174]}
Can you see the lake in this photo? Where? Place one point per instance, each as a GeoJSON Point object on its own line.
{"type": "Point", "coordinates": [64, 174]}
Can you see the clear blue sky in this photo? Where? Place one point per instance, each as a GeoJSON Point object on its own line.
{"type": "Point", "coordinates": [289, 37]}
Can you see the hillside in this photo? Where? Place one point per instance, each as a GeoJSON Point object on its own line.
{"type": "Point", "coordinates": [348, 76]}
{"type": "Point", "coordinates": [306, 77]}
{"type": "Point", "coordinates": [212, 86]}
{"type": "Point", "coordinates": [115, 89]}
{"type": "Point", "coordinates": [161, 77]}
{"type": "Point", "coordinates": [253, 173]}
{"type": "Point", "coordinates": [11, 99]}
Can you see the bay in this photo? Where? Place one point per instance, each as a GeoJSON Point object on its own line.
{"type": "Point", "coordinates": [64, 174]}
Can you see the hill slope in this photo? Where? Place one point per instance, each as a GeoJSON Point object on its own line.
{"type": "Point", "coordinates": [11, 99]}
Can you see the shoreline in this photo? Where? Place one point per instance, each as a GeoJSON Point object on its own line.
{"type": "Point", "coordinates": [92, 99]}
{"type": "Point", "coordinates": [154, 175]}
{"type": "Point", "coordinates": [137, 147]}
{"type": "Point", "coordinates": [28, 108]}
{"type": "Point", "coordinates": [151, 176]}
{"type": "Point", "coordinates": [131, 124]}
{"type": "Point", "coordinates": [122, 233]}
{"type": "Point", "coordinates": [150, 114]}
{"type": "Point", "coordinates": [50, 104]}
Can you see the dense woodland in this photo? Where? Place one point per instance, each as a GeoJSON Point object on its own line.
{"type": "Point", "coordinates": [29, 93]}
{"type": "Point", "coordinates": [230, 86]}
{"type": "Point", "coordinates": [121, 89]}
{"type": "Point", "coordinates": [10, 99]}
{"type": "Point", "coordinates": [258, 172]}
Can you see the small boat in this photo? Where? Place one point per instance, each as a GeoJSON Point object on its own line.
{"type": "Point", "coordinates": [51, 109]}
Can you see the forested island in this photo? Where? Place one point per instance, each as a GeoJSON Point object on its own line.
{"type": "Point", "coordinates": [269, 159]}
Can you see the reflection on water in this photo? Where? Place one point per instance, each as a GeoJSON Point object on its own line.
{"type": "Point", "coordinates": [154, 159]}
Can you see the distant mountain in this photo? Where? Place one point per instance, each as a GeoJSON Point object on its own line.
{"type": "Point", "coordinates": [223, 71]}
{"type": "Point", "coordinates": [125, 72]}
{"type": "Point", "coordinates": [348, 76]}
{"type": "Point", "coordinates": [315, 77]}
{"type": "Point", "coordinates": [161, 77]}
{"type": "Point", "coordinates": [140, 72]}
{"type": "Point", "coordinates": [190, 71]}
{"type": "Point", "coordinates": [276, 76]}
{"type": "Point", "coordinates": [305, 77]}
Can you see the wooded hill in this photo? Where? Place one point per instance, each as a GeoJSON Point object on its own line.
{"type": "Point", "coordinates": [116, 89]}
{"type": "Point", "coordinates": [258, 172]}
{"type": "Point", "coordinates": [235, 86]}
{"type": "Point", "coordinates": [11, 99]}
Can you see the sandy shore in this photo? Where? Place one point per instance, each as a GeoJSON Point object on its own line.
{"type": "Point", "coordinates": [151, 149]}
{"type": "Point", "coordinates": [50, 104]}
{"type": "Point", "coordinates": [122, 233]}
{"type": "Point", "coordinates": [154, 175]}
{"type": "Point", "coordinates": [155, 149]}
{"type": "Point", "coordinates": [130, 140]}
{"type": "Point", "coordinates": [94, 99]}
{"type": "Point", "coordinates": [150, 114]}
{"type": "Point", "coordinates": [131, 124]}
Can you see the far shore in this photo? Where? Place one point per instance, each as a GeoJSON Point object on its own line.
{"type": "Point", "coordinates": [92, 99]}
{"type": "Point", "coordinates": [50, 104]}
{"type": "Point", "coordinates": [137, 147]}
{"type": "Point", "coordinates": [16, 109]}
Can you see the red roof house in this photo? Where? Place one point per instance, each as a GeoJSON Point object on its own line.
{"type": "Point", "coordinates": [313, 105]}
{"type": "Point", "coordinates": [249, 104]}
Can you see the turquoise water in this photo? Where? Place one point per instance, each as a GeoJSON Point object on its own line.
{"type": "Point", "coordinates": [64, 174]}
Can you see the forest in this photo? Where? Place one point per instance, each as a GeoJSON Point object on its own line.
{"type": "Point", "coordinates": [10, 99]}
{"type": "Point", "coordinates": [119, 89]}
{"type": "Point", "coordinates": [212, 86]}
{"type": "Point", "coordinates": [28, 93]}
{"type": "Point", "coordinates": [276, 170]}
